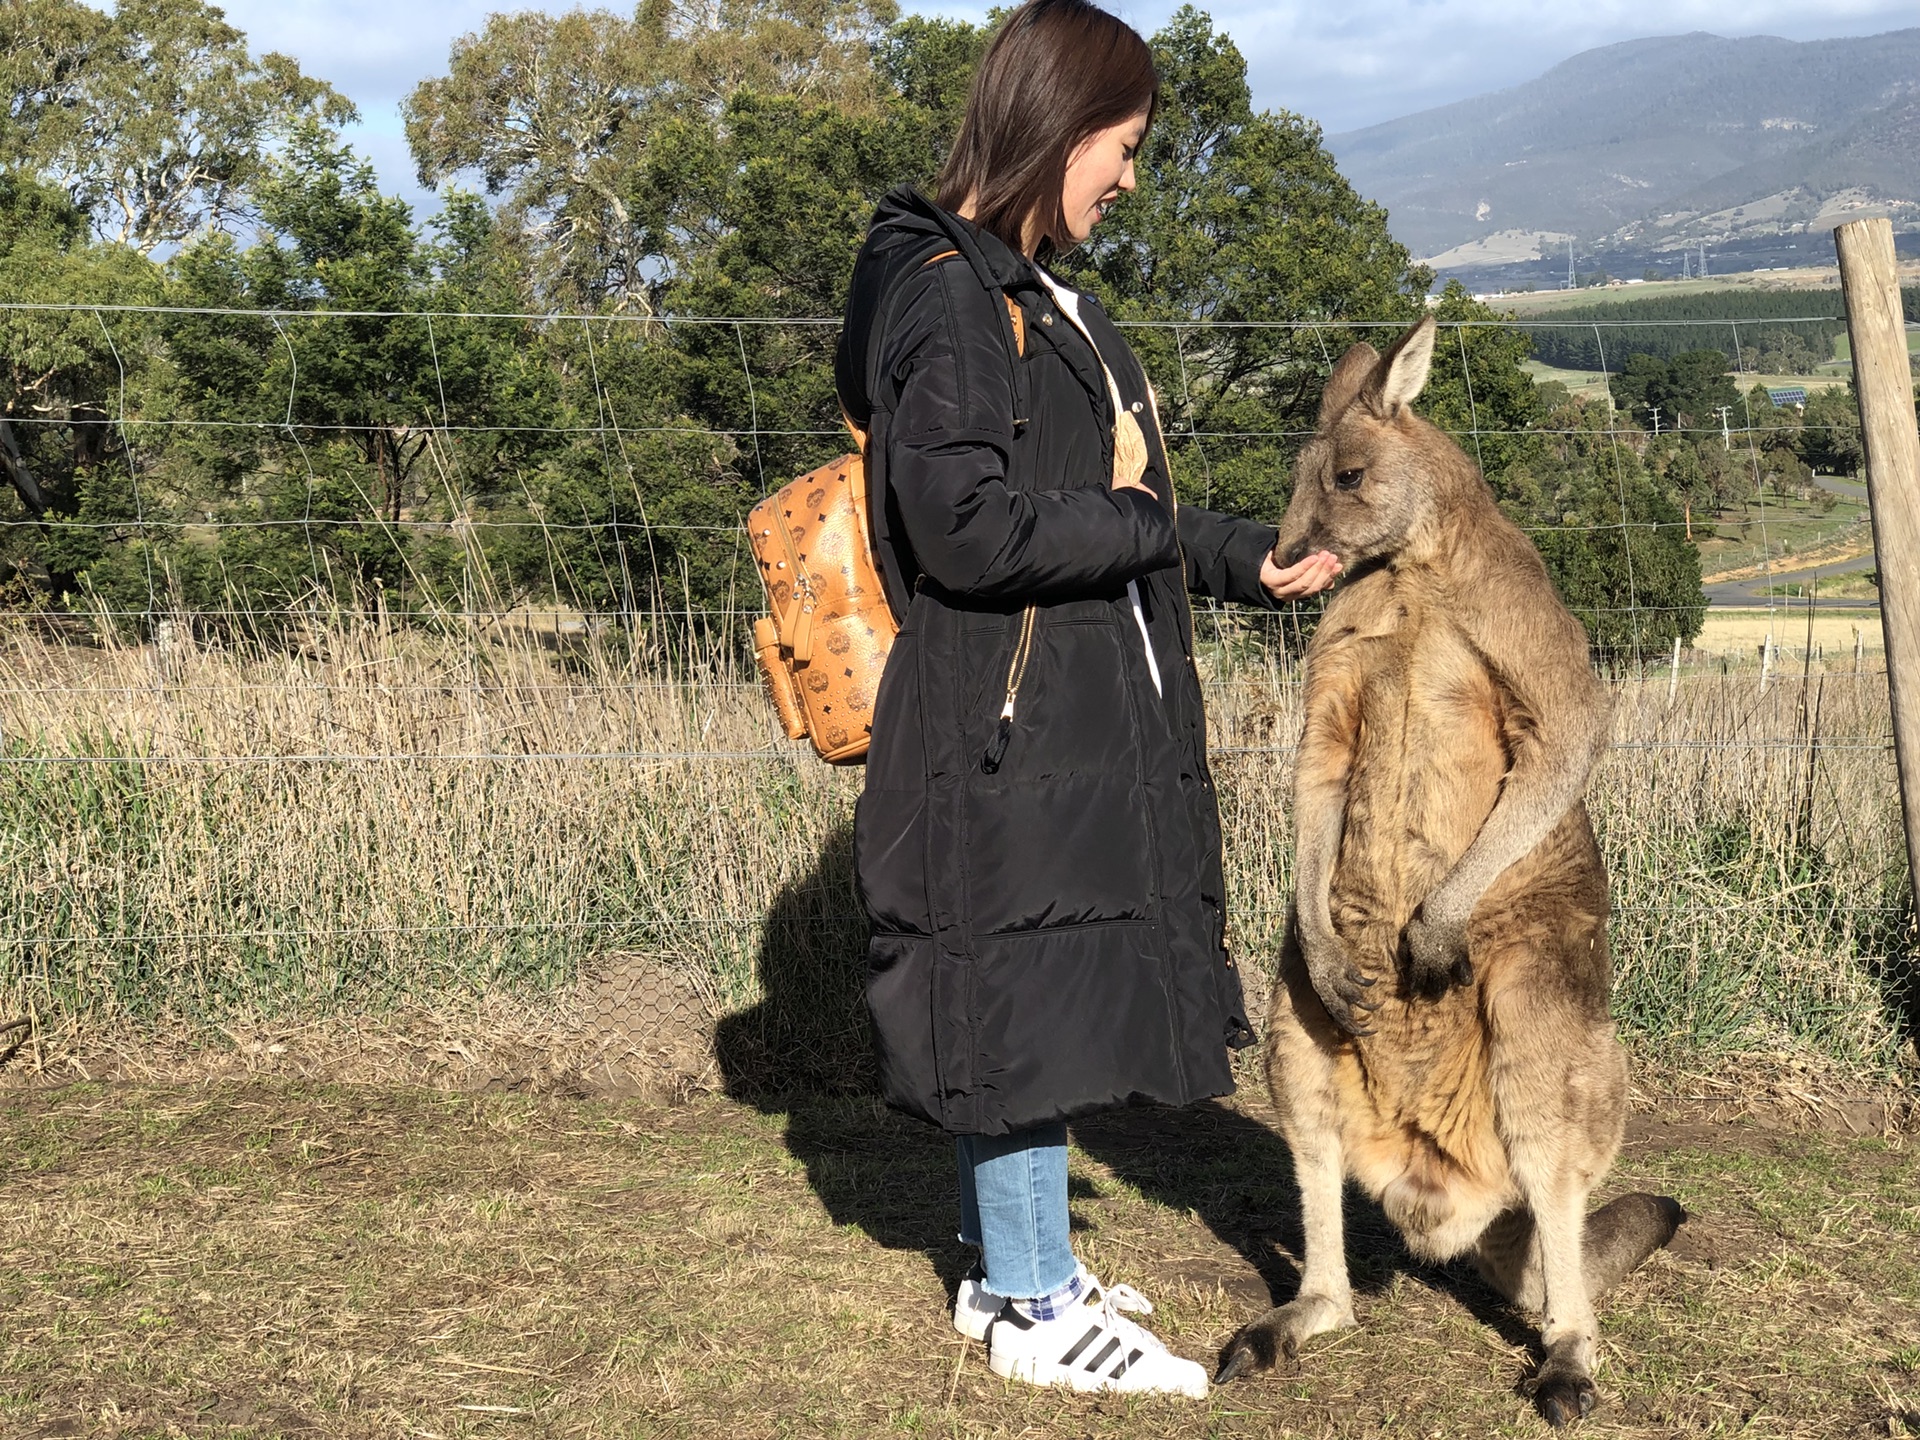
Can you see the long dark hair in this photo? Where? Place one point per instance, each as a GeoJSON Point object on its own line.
{"type": "Point", "coordinates": [1057, 72]}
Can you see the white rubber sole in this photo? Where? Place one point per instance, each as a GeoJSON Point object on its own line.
{"type": "Point", "coordinates": [1187, 1381]}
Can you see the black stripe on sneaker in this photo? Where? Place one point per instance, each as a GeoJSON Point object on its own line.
{"type": "Point", "coordinates": [1093, 1365]}
{"type": "Point", "coordinates": [1094, 1332]}
{"type": "Point", "coordinates": [1124, 1365]}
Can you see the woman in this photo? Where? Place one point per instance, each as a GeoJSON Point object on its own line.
{"type": "Point", "coordinates": [1038, 845]}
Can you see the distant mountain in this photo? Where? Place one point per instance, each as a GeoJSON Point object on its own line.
{"type": "Point", "coordinates": [1655, 144]}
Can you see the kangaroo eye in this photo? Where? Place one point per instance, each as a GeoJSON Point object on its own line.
{"type": "Point", "coordinates": [1349, 479]}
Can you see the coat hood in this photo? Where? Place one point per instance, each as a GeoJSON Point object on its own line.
{"type": "Point", "coordinates": [908, 230]}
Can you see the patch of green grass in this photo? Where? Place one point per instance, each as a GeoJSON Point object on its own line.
{"type": "Point", "coordinates": [1854, 585]}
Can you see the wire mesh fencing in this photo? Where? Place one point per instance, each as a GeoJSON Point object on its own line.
{"type": "Point", "coordinates": [354, 659]}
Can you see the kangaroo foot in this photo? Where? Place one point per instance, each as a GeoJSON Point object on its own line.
{"type": "Point", "coordinates": [1622, 1233]}
{"type": "Point", "coordinates": [1279, 1333]}
{"type": "Point", "coordinates": [1564, 1387]}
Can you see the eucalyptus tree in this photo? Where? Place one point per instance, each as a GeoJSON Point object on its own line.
{"type": "Point", "coordinates": [155, 119]}
{"type": "Point", "coordinates": [556, 114]}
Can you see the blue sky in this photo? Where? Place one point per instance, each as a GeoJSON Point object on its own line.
{"type": "Point", "coordinates": [1347, 64]}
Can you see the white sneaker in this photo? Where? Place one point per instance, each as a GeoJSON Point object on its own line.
{"type": "Point", "coordinates": [974, 1306]}
{"type": "Point", "coordinates": [1092, 1347]}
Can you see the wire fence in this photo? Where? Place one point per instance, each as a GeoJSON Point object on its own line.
{"type": "Point", "coordinates": [403, 651]}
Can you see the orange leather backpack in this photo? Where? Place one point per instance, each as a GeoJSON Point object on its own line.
{"type": "Point", "coordinates": [823, 646]}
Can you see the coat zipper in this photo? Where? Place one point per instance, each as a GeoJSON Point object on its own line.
{"type": "Point", "coordinates": [1016, 673]}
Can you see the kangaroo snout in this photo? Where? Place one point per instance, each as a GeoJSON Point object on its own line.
{"type": "Point", "coordinates": [1286, 552]}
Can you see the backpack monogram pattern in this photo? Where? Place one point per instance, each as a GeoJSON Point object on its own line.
{"type": "Point", "coordinates": [823, 648]}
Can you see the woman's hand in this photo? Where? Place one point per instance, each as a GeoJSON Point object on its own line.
{"type": "Point", "coordinates": [1296, 582]}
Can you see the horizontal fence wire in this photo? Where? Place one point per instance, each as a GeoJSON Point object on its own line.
{"type": "Point", "coordinates": [668, 321]}
{"type": "Point", "coordinates": [157, 713]}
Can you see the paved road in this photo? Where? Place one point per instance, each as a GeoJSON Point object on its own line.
{"type": "Point", "coordinates": [1848, 488]}
{"type": "Point", "coordinates": [1747, 593]}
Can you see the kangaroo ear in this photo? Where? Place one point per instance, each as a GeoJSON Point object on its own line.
{"type": "Point", "coordinates": [1349, 377]}
{"type": "Point", "coordinates": [1402, 372]}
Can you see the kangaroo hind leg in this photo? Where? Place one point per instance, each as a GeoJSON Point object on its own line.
{"type": "Point", "coordinates": [1559, 1082]}
{"type": "Point", "coordinates": [1325, 1301]}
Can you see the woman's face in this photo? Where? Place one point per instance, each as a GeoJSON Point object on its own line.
{"type": "Point", "coordinates": [1100, 168]}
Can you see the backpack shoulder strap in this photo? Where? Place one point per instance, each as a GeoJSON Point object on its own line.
{"type": "Point", "coordinates": [1016, 318]}
{"type": "Point", "coordinates": [1015, 315]}
{"type": "Point", "coordinates": [897, 585]}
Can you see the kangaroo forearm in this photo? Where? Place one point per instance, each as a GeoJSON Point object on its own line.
{"type": "Point", "coordinates": [1319, 823]}
{"type": "Point", "coordinates": [1533, 801]}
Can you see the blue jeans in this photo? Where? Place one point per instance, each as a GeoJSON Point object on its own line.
{"type": "Point", "coordinates": [1013, 1205]}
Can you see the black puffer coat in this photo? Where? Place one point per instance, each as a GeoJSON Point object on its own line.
{"type": "Point", "coordinates": [1048, 935]}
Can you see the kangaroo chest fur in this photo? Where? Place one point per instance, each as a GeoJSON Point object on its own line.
{"type": "Point", "coordinates": [1429, 746]}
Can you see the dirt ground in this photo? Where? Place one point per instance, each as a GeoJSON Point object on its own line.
{"type": "Point", "coordinates": [283, 1257]}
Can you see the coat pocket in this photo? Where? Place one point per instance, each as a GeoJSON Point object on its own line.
{"type": "Point", "coordinates": [1059, 834]}
{"type": "Point", "coordinates": [1066, 850]}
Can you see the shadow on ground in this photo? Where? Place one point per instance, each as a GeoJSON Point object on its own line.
{"type": "Point", "coordinates": [803, 1053]}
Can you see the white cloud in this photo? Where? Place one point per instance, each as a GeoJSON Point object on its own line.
{"type": "Point", "coordinates": [1346, 65]}
{"type": "Point", "coordinates": [374, 52]}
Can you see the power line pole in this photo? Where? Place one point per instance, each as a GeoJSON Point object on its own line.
{"type": "Point", "coordinates": [1569, 262]}
{"type": "Point", "coordinates": [1726, 429]}
{"type": "Point", "coordinates": [1656, 418]}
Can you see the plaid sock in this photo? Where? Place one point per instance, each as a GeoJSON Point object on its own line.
{"type": "Point", "coordinates": [1055, 1303]}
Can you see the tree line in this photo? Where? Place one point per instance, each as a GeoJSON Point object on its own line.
{"type": "Point", "coordinates": [1779, 332]}
{"type": "Point", "coordinates": [272, 390]}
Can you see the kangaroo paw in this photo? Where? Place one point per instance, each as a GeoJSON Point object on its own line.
{"type": "Point", "coordinates": [1563, 1390]}
{"type": "Point", "coordinates": [1279, 1333]}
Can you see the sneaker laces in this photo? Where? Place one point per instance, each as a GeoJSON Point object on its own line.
{"type": "Point", "coordinates": [1115, 1299]}
{"type": "Point", "coordinates": [1125, 1297]}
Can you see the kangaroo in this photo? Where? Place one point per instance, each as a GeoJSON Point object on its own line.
{"type": "Point", "coordinates": [1440, 1031]}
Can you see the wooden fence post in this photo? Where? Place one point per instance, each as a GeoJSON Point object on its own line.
{"type": "Point", "coordinates": [1883, 379]}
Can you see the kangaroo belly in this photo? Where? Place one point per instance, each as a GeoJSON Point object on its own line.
{"type": "Point", "coordinates": [1418, 1122]}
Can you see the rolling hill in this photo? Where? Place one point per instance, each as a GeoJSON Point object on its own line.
{"type": "Point", "coordinates": [1655, 145]}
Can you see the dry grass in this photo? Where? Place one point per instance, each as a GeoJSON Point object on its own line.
{"type": "Point", "coordinates": [390, 817]}
{"type": "Point", "coordinates": [1738, 634]}
{"type": "Point", "coordinates": [286, 1260]}
{"type": "Point", "coordinates": [215, 840]}
{"type": "Point", "coordinates": [226, 1240]}
{"type": "Point", "coordinates": [1752, 836]}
